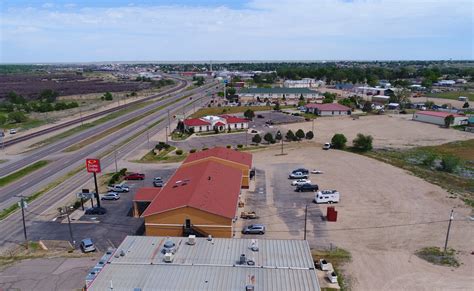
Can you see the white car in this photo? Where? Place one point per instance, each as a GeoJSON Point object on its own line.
{"type": "Point", "coordinates": [111, 196]}
{"type": "Point", "coordinates": [298, 175]}
{"type": "Point", "coordinates": [300, 182]}
{"type": "Point", "coordinates": [326, 146]}
{"type": "Point", "coordinates": [12, 131]}
{"type": "Point", "coordinates": [316, 172]}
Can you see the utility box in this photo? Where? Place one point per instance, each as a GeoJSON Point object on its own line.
{"type": "Point", "coordinates": [331, 214]}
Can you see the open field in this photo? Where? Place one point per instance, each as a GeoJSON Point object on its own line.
{"type": "Point", "coordinates": [388, 131]}
{"type": "Point", "coordinates": [453, 95]}
{"type": "Point", "coordinates": [384, 217]}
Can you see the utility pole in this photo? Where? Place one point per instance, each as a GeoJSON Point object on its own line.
{"type": "Point", "coordinates": [246, 136]}
{"type": "Point", "coordinates": [451, 217]}
{"type": "Point", "coordinates": [312, 125]}
{"type": "Point", "coordinates": [80, 116]}
{"type": "Point", "coordinates": [148, 139]}
{"type": "Point", "coordinates": [166, 134]}
{"type": "Point", "coordinates": [96, 190]}
{"type": "Point", "coordinates": [305, 219]}
{"type": "Point", "coordinates": [23, 206]}
{"type": "Point", "coordinates": [69, 225]}
{"type": "Point", "coordinates": [169, 120]}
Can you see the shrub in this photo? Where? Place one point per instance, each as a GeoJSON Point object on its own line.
{"type": "Point", "coordinates": [338, 141]}
{"type": "Point", "coordinates": [228, 146]}
{"type": "Point", "coordinates": [17, 117]}
{"type": "Point", "coordinates": [290, 136]}
{"type": "Point", "coordinates": [108, 96]}
{"type": "Point", "coordinates": [309, 135]}
{"type": "Point", "coordinates": [449, 163]}
{"type": "Point", "coordinates": [362, 142]}
{"type": "Point", "coordinates": [179, 152]}
{"type": "Point", "coordinates": [429, 159]}
{"type": "Point", "coordinates": [300, 134]}
{"type": "Point", "coordinates": [123, 171]}
{"type": "Point", "coordinates": [205, 149]}
{"type": "Point", "coordinates": [257, 139]}
{"type": "Point", "coordinates": [192, 151]}
{"type": "Point", "coordinates": [240, 146]}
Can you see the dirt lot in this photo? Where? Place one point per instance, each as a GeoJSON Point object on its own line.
{"type": "Point", "coordinates": [387, 130]}
{"type": "Point", "coordinates": [385, 215]}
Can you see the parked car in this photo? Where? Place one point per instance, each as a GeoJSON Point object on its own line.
{"type": "Point", "coordinates": [135, 176]}
{"type": "Point", "coordinates": [110, 196]}
{"type": "Point", "coordinates": [302, 170]}
{"type": "Point", "coordinates": [260, 116]}
{"type": "Point", "coordinates": [327, 196]}
{"type": "Point", "coordinates": [119, 188]}
{"type": "Point", "coordinates": [307, 188]}
{"type": "Point", "coordinates": [254, 131]}
{"type": "Point", "coordinates": [95, 211]}
{"type": "Point", "coordinates": [12, 131]}
{"type": "Point", "coordinates": [326, 146]}
{"type": "Point", "coordinates": [300, 182]}
{"type": "Point", "coordinates": [87, 245]}
{"type": "Point", "coordinates": [316, 172]}
{"type": "Point", "coordinates": [254, 229]}
{"type": "Point", "coordinates": [158, 183]}
{"type": "Point", "coordinates": [298, 175]}
{"type": "Point", "coordinates": [248, 215]}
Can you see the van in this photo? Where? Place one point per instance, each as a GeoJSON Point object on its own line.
{"type": "Point", "coordinates": [326, 196]}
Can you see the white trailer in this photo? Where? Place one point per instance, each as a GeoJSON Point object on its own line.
{"type": "Point", "coordinates": [326, 196]}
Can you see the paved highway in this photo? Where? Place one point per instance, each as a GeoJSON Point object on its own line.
{"type": "Point", "coordinates": [11, 228]}
{"type": "Point", "coordinates": [44, 152]}
{"type": "Point", "coordinates": [56, 169]}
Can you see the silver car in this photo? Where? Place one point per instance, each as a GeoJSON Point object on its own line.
{"type": "Point", "coordinates": [111, 196]}
{"type": "Point", "coordinates": [254, 229]}
{"type": "Point", "coordinates": [87, 245]}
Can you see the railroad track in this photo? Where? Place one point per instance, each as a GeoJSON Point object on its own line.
{"type": "Point", "coordinates": [183, 84]}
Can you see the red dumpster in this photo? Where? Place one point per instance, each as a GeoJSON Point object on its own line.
{"type": "Point", "coordinates": [331, 214]}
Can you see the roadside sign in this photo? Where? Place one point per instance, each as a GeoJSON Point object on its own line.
{"type": "Point", "coordinates": [93, 165]}
{"type": "Point", "coordinates": [85, 196]}
{"type": "Point", "coordinates": [226, 81]}
{"type": "Point", "coordinates": [25, 204]}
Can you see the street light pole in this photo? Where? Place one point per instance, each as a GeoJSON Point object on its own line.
{"type": "Point", "coordinates": [115, 158]}
{"type": "Point", "coordinates": [166, 134]}
{"type": "Point", "coordinates": [169, 121]}
{"type": "Point", "coordinates": [451, 217]}
{"type": "Point", "coordinates": [69, 225]}
{"type": "Point", "coordinates": [305, 219]}
{"type": "Point", "coordinates": [312, 125]}
{"type": "Point", "coordinates": [22, 204]}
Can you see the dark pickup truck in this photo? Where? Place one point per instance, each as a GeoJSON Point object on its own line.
{"type": "Point", "coordinates": [307, 188]}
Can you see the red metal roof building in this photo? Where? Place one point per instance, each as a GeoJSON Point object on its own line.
{"type": "Point", "coordinates": [202, 195]}
{"type": "Point", "coordinates": [437, 117]}
{"type": "Point", "coordinates": [143, 198]}
{"type": "Point", "coordinates": [211, 123]}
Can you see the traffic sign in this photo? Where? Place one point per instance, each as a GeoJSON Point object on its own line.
{"type": "Point", "coordinates": [85, 196]}
{"type": "Point", "coordinates": [25, 204]}
{"type": "Point", "coordinates": [226, 81]}
{"type": "Point", "coordinates": [93, 165]}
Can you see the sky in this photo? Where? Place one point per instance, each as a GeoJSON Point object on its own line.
{"type": "Point", "coordinates": [33, 31]}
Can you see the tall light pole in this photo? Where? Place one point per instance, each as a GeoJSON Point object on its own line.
{"type": "Point", "coordinates": [305, 219]}
{"type": "Point", "coordinates": [312, 125]}
{"type": "Point", "coordinates": [23, 205]}
{"type": "Point", "coordinates": [279, 136]}
{"type": "Point", "coordinates": [166, 134]}
{"type": "Point", "coordinates": [69, 225]}
{"type": "Point", "coordinates": [451, 217]}
{"type": "Point", "coordinates": [115, 158]}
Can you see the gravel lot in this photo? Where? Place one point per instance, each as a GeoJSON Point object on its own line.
{"type": "Point", "coordinates": [384, 216]}
{"type": "Point", "coordinates": [388, 131]}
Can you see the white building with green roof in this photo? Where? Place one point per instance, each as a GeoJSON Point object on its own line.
{"type": "Point", "coordinates": [277, 93]}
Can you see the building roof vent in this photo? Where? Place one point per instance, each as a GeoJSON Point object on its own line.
{"type": "Point", "coordinates": [243, 259]}
{"type": "Point", "coordinates": [191, 240]}
{"type": "Point", "coordinates": [249, 288]}
{"type": "Point", "coordinates": [209, 237]}
{"type": "Point", "coordinates": [168, 258]}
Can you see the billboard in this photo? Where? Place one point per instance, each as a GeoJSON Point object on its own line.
{"type": "Point", "coordinates": [93, 165]}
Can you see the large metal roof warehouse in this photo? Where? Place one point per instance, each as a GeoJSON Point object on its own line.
{"type": "Point", "coordinates": [180, 263]}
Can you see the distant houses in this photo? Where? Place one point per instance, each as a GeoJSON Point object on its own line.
{"type": "Point", "coordinates": [277, 94]}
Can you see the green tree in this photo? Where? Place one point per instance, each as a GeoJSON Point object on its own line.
{"type": "Point", "coordinates": [429, 104]}
{"type": "Point", "coordinates": [290, 136]}
{"type": "Point", "coordinates": [277, 106]}
{"type": "Point", "coordinates": [448, 120]}
{"type": "Point", "coordinates": [220, 94]}
{"type": "Point", "coordinates": [15, 98]}
{"type": "Point", "coordinates": [249, 114]}
{"type": "Point", "coordinates": [257, 139]}
{"type": "Point", "coordinates": [362, 142]}
{"type": "Point", "coordinates": [17, 117]}
{"type": "Point", "coordinates": [301, 97]}
{"type": "Point", "coordinates": [465, 105]}
{"type": "Point", "coordinates": [108, 96]}
{"type": "Point", "coordinates": [338, 141]}
{"type": "Point", "coordinates": [180, 126]}
{"type": "Point", "coordinates": [367, 107]}
{"type": "Point", "coordinates": [300, 134]}
{"type": "Point", "coordinates": [3, 120]}
{"type": "Point", "coordinates": [309, 135]}
{"type": "Point", "coordinates": [268, 137]}
{"type": "Point", "coordinates": [48, 95]}
{"type": "Point", "coordinates": [231, 91]}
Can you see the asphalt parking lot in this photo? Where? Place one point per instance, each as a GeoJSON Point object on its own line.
{"type": "Point", "coordinates": [257, 124]}
{"type": "Point", "coordinates": [281, 209]}
{"type": "Point", "coordinates": [105, 230]}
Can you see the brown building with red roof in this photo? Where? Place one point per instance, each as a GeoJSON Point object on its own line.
{"type": "Point", "coordinates": [200, 198]}
{"type": "Point", "coordinates": [143, 198]}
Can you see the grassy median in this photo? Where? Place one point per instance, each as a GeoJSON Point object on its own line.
{"type": "Point", "coordinates": [22, 172]}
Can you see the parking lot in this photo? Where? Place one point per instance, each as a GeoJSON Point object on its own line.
{"type": "Point", "coordinates": [105, 230]}
{"type": "Point", "coordinates": [224, 139]}
{"type": "Point", "coordinates": [385, 215]}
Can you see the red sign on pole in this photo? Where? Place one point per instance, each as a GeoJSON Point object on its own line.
{"type": "Point", "coordinates": [93, 165]}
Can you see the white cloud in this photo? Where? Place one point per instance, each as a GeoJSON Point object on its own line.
{"type": "Point", "coordinates": [262, 29]}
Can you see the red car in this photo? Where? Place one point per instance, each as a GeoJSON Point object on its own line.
{"type": "Point", "coordinates": [135, 176]}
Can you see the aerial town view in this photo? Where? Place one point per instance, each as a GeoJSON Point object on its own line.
{"type": "Point", "coordinates": [248, 145]}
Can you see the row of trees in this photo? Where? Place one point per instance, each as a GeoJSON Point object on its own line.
{"type": "Point", "coordinates": [45, 103]}
{"type": "Point", "coordinates": [290, 136]}
{"type": "Point", "coordinates": [361, 143]}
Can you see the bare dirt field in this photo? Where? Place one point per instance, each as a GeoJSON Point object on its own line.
{"type": "Point", "coordinates": [384, 216]}
{"type": "Point", "coordinates": [388, 131]}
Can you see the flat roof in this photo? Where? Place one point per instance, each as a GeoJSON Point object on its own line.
{"type": "Point", "coordinates": [209, 265]}
{"type": "Point", "coordinates": [277, 90]}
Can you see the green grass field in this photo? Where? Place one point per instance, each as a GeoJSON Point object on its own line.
{"type": "Point", "coordinates": [452, 95]}
{"type": "Point", "coordinates": [21, 173]}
